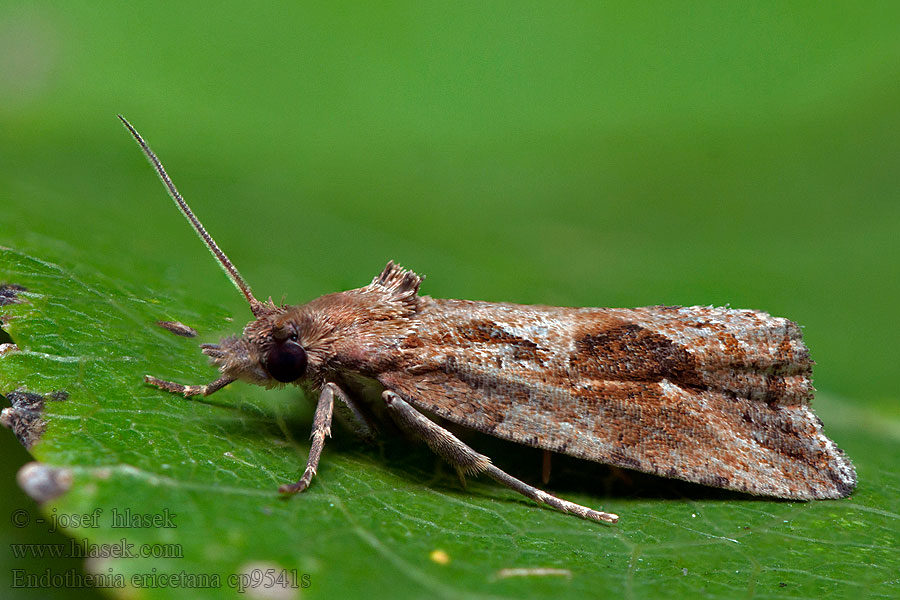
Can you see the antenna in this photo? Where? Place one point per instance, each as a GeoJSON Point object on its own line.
{"type": "Point", "coordinates": [230, 270]}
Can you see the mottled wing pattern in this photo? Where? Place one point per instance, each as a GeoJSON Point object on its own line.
{"type": "Point", "coordinates": [710, 395]}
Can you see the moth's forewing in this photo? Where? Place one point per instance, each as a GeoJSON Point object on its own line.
{"type": "Point", "coordinates": [710, 395]}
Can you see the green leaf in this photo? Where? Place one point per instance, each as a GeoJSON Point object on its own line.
{"type": "Point", "coordinates": [383, 519]}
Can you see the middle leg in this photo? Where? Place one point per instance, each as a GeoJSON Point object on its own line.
{"type": "Point", "coordinates": [322, 429]}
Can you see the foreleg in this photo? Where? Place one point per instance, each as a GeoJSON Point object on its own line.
{"type": "Point", "coordinates": [189, 390]}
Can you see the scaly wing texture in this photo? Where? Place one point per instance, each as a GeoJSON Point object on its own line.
{"type": "Point", "coordinates": [710, 395]}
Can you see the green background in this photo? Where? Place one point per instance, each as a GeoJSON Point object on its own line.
{"type": "Point", "coordinates": [578, 154]}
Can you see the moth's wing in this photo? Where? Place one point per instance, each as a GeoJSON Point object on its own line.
{"type": "Point", "coordinates": [710, 395]}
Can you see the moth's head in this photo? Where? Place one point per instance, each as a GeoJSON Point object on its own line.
{"type": "Point", "coordinates": [290, 344]}
{"type": "Point", "coordinates": [274, 349]}
{"type": "Point", "coordinates": [277, 347]}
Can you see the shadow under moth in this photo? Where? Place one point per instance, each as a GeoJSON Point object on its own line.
{"type": "Point", "coordinates": [710, 395]}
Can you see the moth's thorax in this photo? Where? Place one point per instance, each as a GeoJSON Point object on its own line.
{"type": "Point", "coordinates": [356, 330]}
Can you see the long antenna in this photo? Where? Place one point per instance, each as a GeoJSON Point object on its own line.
{"type": "Point", "coordinates": [230, 270]}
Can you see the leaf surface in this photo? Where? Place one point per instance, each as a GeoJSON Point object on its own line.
{"type": "Point", "coordinates": [387, 516]}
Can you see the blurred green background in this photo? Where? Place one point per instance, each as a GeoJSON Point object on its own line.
{"type": "Point", "coordinates": [580, 154]}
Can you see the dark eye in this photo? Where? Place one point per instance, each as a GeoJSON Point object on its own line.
{"type": "Point", "coordinates": [286, 361]}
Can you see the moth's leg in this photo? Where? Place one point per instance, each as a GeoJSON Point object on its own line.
{"type": "Point", "coordinates": [189, 390]}
{"type": "Point", "coordinates": [321, 428]}
{"type": "Point", "coordinates": [546, 466]}
{"type": "Point", "coordinates": [348, 412]}
{"type": "Point", "coordinates": [466, 460]}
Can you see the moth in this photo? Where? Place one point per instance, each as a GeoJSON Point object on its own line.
{"type": "Point", "coordinates": [715, 396]}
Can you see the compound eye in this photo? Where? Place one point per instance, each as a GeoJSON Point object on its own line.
{"type": "Point", "coordinates": [286, 362]}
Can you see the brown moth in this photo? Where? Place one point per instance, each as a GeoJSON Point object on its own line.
{"type": "Point", "coordinates": [710, 395]}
